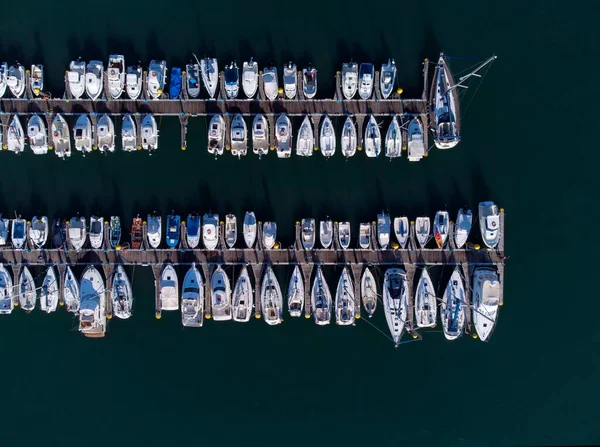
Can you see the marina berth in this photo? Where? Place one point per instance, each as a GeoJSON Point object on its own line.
{"type": "Point", "coordinates": [27, 292]}
{"type": "Point", "coordinates": [8, 297]}
{"type": "Point", "coordinates": [239, 136]}
{"type": "Point", "coordinates": [149, 133]}
{"type": "Point", "coordinates": [366, 78]}
{"type": "Point", "coordinates": [232, 80]}
{"type": "Point", "coordinates": [216, 135]}
{"type": "Point", "coordinates": [271, 298]}
{"type": "Point", "coordinates": [192, 298]}
{"type": "Point", "coordinates": [96, 232]}
{"type": "Point", "coordinates": [15, 141]}
{"type": "Point", "coordinates": [210, 75]}
{"type": "Point", "coordinates": [94, 79]}
{"type": "Point", "coordinates": [260, 145]}
{"type": "Point", "coordinates": [128, 134]}
{"type": "Point", "coordinates": [220, 295]}
{"type": "Point", "coordinates": [250, 78]}
{"type": "Point", "coordinates": [270, 82]}
{"type": "Point", "coordinates": [320, 299]}
{"type": "Point", "coordinates": [116, 75]}
{"type": "Point", "coordinates": [210, 231]}
{"type": "Point", "coordinates": [395, 302]}
{"type": "Point", "coordinates": [76, 78]}
{"type": "Point", "coordinates": [136, 233]}
{"type": "Point", "coordinates": [349, 140]}
{"type": "Point", "coordinates": [121, 294]}
{"type": "Point", "coordinates": [38, 231]}
{"type": "Point", "coordinates": [106, 134]}
{"type": "Point", "coordinates": [269, 234]}
{"type": "Point", "coordinates": [486, 299]}
{"type": "Point", "coordinates": [401, 230]}
{"type": "Point", "coordinates": [416, 145]}
{"type": "Point", "coordinates": [61, 137]}
{"type": "Point", "coordinates": [192, 227]}
{"type": "Point", "coordinates": [383, 230]}
{"type": "Point", "coordinates": [169, 289]}
{"type": "Point", "coordinates": [230, 230]}
{"type": "Point", "coordinates": [464, 221]}
{"type": "Point", "coordinates": [133, 81]}
{"type": "Point", "coordinates": [49, 291]}
{"type": "Point", "coordinates": [77, 232]}
{"type": "Point", "coordinates": [192, 72]}
{"type": "Point", "coordinates": [489, 223]}
{"type": "Point", "coordinates": [296, 293]}
{"type": "Point", "coordinates": [327, 138]}
{"type": "Point", "coordinates": [92, 306]}
{"type": "Point", "coordinates": [249, 229]}
{"type": "Point", "coordinates": [4, 230]}
{"type": "Point", "coordinates": [387, 78]}
{"type": "Point", "coordinates": [305, 142]}
{"type": "Point", "coordinates": [15, 80]}
{"type": "Point", "coordinates": [349, 79]}
{"type": "Point", "coordinates": [368, 292]}
{"type": "Point", "coordinates": [372, 138]}
{"type": "Point", "coordinates": [326, 233]}
{"type": "Point", "coordinates": [154, 230]}
{"type": "Point", "coordinates": [175, 83]}
{"type": "Point", "coordinates": [441, 228]}
{"type": "Point", "coordinates": [309, 82]}
{"type": "Point", "coordinates": [18, 235]}
{"type": "Point", "coordinates": [364, 236]}
{"type": "Point", "coordinates": [344, 235]}
{"type": "Point", "coordinates": [83, 134]}
{"type": "Point", "coordinates": [157, 77]}
{"type": "Point", "coordinates": [425, 301]}
{"type": "Point", "coordinates": [308, 233]}
{"type": "Point", "coordinates": [173, 230]}
{"type": "Point", "coordinates": [115, 231]}
{"type": "Point", "coordinates": [453, 308]}
{"type": "Point", "coordinates": [283, 136]}
{"type": "Point", "coordinates": [37, 135]}
{"type": "Point", "coordinates": [243, 297]}
{"type": "Point", "coordinates": [423, 230]}
{"type": "Point", "coordinates": [344, 300]}
{"type": "Point", "coordinates": [70, 294]}
{"type": "Point", "coordinates": [36, 79]}
{"type": "Point", "coordinates": [393, 139]}
{"type": "Point", "coordinates": [290, 80]}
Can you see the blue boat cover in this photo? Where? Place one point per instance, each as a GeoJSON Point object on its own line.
{"type": "Point", "coordinates": [175, 85]}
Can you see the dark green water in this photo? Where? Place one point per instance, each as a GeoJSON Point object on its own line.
{"type": "Point", "coordinates": [152, 383]}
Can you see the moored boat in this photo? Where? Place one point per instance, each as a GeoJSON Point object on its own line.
{"type": "Point", "coordinates": [320, 299]}
{"type": "Point", "coordinates": [106, 134]}
{"type": "Point", "coordinates": [445, 123]}
{"type": "Point", "coordinates": [137, 232]}
{"type": "Point", "coordinates": [37, 135]}
{"type": "Point", "coordinates": [216, 135]}
{"type": "Point", "coordinates": [260, 127]}
{"type": "Point", "coordinates": [387, 78]}
{"type": "Point", "coordinates": [169, 288]}
{"type": "Point", "coordinates": [383, 230]}
{"type": "Point", "coordinates": [210, 75]}
{"type": "Point", "coordinates": [489, 223]}
{"type": "Point", "coordinates": [452, 311]}
{"type": "Point", "coordinates": [37, 79]}
{"type": "Point", "coordinates": [366, 78]}
{"type": "Point", "coordinates": [270, 83]}
{"type": "Point", "coordinates": [192, 298]}
{"type": "Point", "coordinates": [441, 228]}
{"type": "Point", "coordinates": [309, 82]}
{"type": "Point", "coordinates": [121, 294]}
{"type": "Point", "coordinates": [133, 81]}
{"type": "Point", "coordinates": [175, 83]}
{"type": "Point", "coordinates": [249, 228]}
{"type": "Point", "coordinates": [250, 78]}
{"type": "Point", "coordinates": [364, 235]}
{"type": "Point", "coordinates": [59, 232]}
{"type": "Point", "coordinates": [18, 233]}
{"type": "Point", "coordinates": [15, 138]}
{"type": "Point", "coordinates": [116, 75]}
{"type": "Point", "coordinates": [344, 299]}
{"type": "Point", "coordinates": [349, 79]}
{"type": "Point", "coordinates": [192, 72]}
{"type": "Point", "coordinates": [230, 230]}
{"type": "Point", "coordinates": [271, 298]}
{"type": "Point", "coordinates": [290, 80]}
{"type": "Point", "coordinates": [154, 230]}
{"type": "Point", "coordinates": [94, 79]}
{"type": "Point", "coordinates": [296, 293]}
{"type": "Point", "coordinates": [368, 291]}
{"type": "Point", "coordinates": [96, 231]}
{"type": "Point", "coordinates": [269, 234]}
{"type": "Point", "coordinates": [401, 230]}
{"type": "Point", "coordinates": [92, 305]}
{"type": "Point", "coordinates": [232, 80]}
{"type": "Point", "coordinates": [83, 134]}
{"type": "Point", "coordinates": [425, 301]}
{"type": "Point", "coordinates": [210, 231]}
{"type": "Point", "coordinates": [306, 139]}
{"type": "Point", "coordinates": [173, 230]}
{"type": "Point", "coordinates": [129, 134]}
{"type": "Point", "coordinates": [422, 230]}
{"type": "Point", "coordinates": [349, 140]}
{"type": "Point", "coordinates": [77, 232]}
{"type": "Point", "coordinates": [61, 138]}
{"type": "Point", "coordinates": [115, 231]}
{"type": "Point", "coordinates": [71, 296]}
{"type": "Point", "coordinates": [344, 234]}
{"type": "Point", "coordinates": [393, 139]}
{"type": "Point", "coordinates": [149, 133]}
{"type": "Point", "coordinates": [395, 302]}
{"type": "Point", "coordinates": [283, 136]}
{"type": "Point", "coordinates": [49, 291]}
{"type": "Point", "coordinates": [15, 80]}
{"type": "Point", "coordinates": [192, 229]}
{"type": "Point", "coordinates": [27, 293]}
{"type": "Point", "coordinates": [76, 78]}
{"type": "Point", "coordinates": [220, 295]}
{"type": "Point", "coordinates": [326, 233]}
{"type": "Point", "coordinates": [372, 138]}
{"type": "Point", "coordinates": [38, 231]}
{"type": "Point", "coordinates": [416, 144]}
{"type": "Point", "coordinates": [242, 300]}
{"type": "Point", "coordinates": [464, 221]}
{"type": "Point", "coordinates": [486, 299]}
{"type": "Point", "coordinates": [239, 136]}
{"type": "Point", "coordinates": [3, 76]}
{"type": "Point", "coordinates": [308, 233]}
{"type": "Point", "coordinates": [327, 138]}
{"type": "Point", "coordinates": [4, 230]}
{"type": "Point", "coordinates": [8, 297]}
{"type": "Point", "coordinates": [157, 78]}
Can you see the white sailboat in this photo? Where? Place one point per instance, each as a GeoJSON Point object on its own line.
{"type": "Point", "coordinates": [220, 299]}
{"type": "Point", "coordinates": [260, 126]}
{"type": "Point", "coordinates": [94, 79]}
{"type": "Point", "coordinates": [243, 297]}
{"type": "Point", "coordinates": [364, 235]}
{"type": "Point", "coordinates": [372, 138]}
{"type": "Point", "coordinates": [216, 135]}
{"type": "Point", "coordinates": [192, 298]}
{"type": "Point", "coordinates": [27, 294]}
{"type": "Point", "coordinates": [76, 78]}
{"type": "Point", "coordinates": [344, 235]}
{"type": "Point", "coordinates": [306, 139]}
{"type": "Point", "coordinates": [36, 79]}
{"type": "Point", "coordinates": [83, 134]}
{"type": "Point", "coordinates": [18, 233]}
{"type": "Point", "coordinates": [157, 78]}
{"type": "Point", "coordinates": [128, 134]}
{"type": "Point", "coordinates": [210, 231]}
{"type": "Point", "coordinates": [422, 230]}
{"type": "Point", "coordinates": [71, 292]}
{"type": "Point", "coordinates": [395, 302]}
{"type": "Point", "coordinates": [308, 233]}
{"type": "Point", "coordinates": [38, 231]}
{"type": "Point", "coordinates": [15, 80]}
{"type": "Point", "coordinates": [283, 136]}
{"type": "Point", "coordinates": [116, 75]}
{"type": "Point", "coordinates": [49, 291]}
{"type": "Point", "coordinates": [121, 294]}
{"type": "Point", "coordinates": [37, 135]}
{"type": "Point", "coordinates": [61, 137]}
{"type": "Point", "coordinates": [8, 296]}
{"type": "Point", "coordinates": [106, 134]}
{"type": "Point", "coordinates": [249, 228]}
{"type": "Point", "coordinates": [368, 291]}
{"type": "Point", "coordinates": [269, 234]}
{"type": "Point", "coordinates": [77, 232]}
{"type": "Point", "coordinates": [232, 80]}
{"type": "Point", "coordinates": [441, 228]}
{"type": "Point", "coordinates": [425, 301]}
{"type": "Point", "coordinates": [96, 231]}
{"type": "Point", "coordinates": [92, 306]}
{"type": "Point", "coordinates": [250, 78]}
{"type": "Point", "coordinates": [401, 229]}
{"type": "Point", "coordinates": [349, 79]}
{"type": "Point", "coordinates": [296, 293]}
{"type": "Point", "coordinates": [383, 230]}
{"type": "Point", "coordinates": [3, 76]}
{"type": "Point", "coordinates": [133, 81]}
{"type": "Point", "coordinates": [270, 82]}
{"type": "Point", "coordinates": [416, 144]}
{"type": "Point", "coordinates": [489, 223]}
{"type": "Point", "coordinates": [445, 113]}
{"type": "Point", "coordinates": [169, 288]}
{"type": "Point", "coordinates": [210, 75]}
{"type": "Point", "coordinates": [393, 139]}
{"type": "Point", "coordinates": [193, 84]}
{"type": "Point", "coordinates": [149, 133]}
{"type": "Point", "coordinates": [320, 299]}
{"type": "Point", "coordinates": [387, 78]}
{"type": "Point", "coordinates": [349, 139]}
{"type": "Point", "coordinates": [327, 138]}
{"type": "Point", "coordinates": [15, 138]}
{"type": "Point", "coordinates": [366, 78]}
{"type": "Point", "coordinates": [290, 80]}
{"type": "Point", "coordinates": [154, 230]}
{"type": "Point", "coordinates": [344, 299]}
{"type": "Point", "coordinates": [230, 230]}
{"type": "Point", "coordinates": [4, 230]}
{"type": "Point", "coordinates": [239, 136]}
{"type": "Point", "coordinates": [271, 298]}
{"type": "Point", "coordinates": [309, 82]}
{"type": "Point", "coordinates": [326, 233]}
{"type": "Point", "coordinates": [486, 298]}
{"type": "Point", "coordinates": [464, 221]}
{"type": "Point", "coordinates": [452, 312]}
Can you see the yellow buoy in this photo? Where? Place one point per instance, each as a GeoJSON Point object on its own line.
{"type": "Point", "coordinates": [357, 316]}
{"type": "Point", "coordinates": [426, 59]}
{"type": "Point", "coordinates": [50, 147]}
{"type": "Point", "coordinates": [403, 148]}
{"type": "Point", "coordinates": [183, 148]}
{"type": "Point", "coordinates": [377, 72]}
{"type": "Point", "coordinates": [60, 303]}
{"type": "Point", "coordinates": [183, 72]}
{"type": "Point", "coordinates": [68, 100]}
{"type": "Point", "coordinates": [227, 148]}
{"type": "Point", "coordinates": [159, 91]}
{"type": "Point", "coordinates": [414, 335]}
{"type": "Point", "coordinates": [108, 316]}
{"type": "Point", "coordinates": [315, 148]}
{"type": "Point", "coordinates": [145, 72]}
{"type": "Point", "coordinates": [260, 222]}
{"type": "Point", "coordinates": [451, 222]}
{"type": "Point", "coordinates": [476, 246]}
{"type": "Point", "coordinates": [337, 72]}
{"type": "Point", "coordinates": [426, 154]}
{"type": "Point", "coordinates": [66, 71]}
{"type": "Point", "coordinates": [28, 222]}
{"type": "Point", "coordinates": [260, 72]}
{"type": "Point", "coordinates": [144, 222]}
{"type": "Point", "coordinates": [16, 304]}
{"type": "Point", "coordinates": [373, 222]}
{"type": "Point", "coordinates": [306, 315]}
{"type": "Point", "coordinates": [257, 316]}
{"type": "Point", "coordinates": [412, 222]}
{"type": "Point", "coordinates": [67, 223]}
{"type": "Point", "coordinates": [94, 148]}
{"type": "Point", "coordinates": [139, 148]}
{"type": "Point", "coordinates": [4, 147]}
{"type": "Point", "coordinates": [221, 223]}
{"type": "Point", "coordinates": [335, 223]}
{"type": "Point", "coordinates": [280, 91]}
{"type": "Point", "coordinates": [276, 246]}
{"type": "Point", "coordinates": [272, 148]}
{"type": "Point", "coordinates": [27, 71]}
{"type": "Point", "coordinates": [501, 210]}
{"type": "Point", "coordinates": [501, 303]}
{"type": "Point", "coordinates": [399, 91]}
{"type": "Point", "coordinates": [106, 222]}
{"type": "Point", "coordinates": [359, 148]}
{"type": "Point", "coordinates": [36, 91]}
{"type": "Point", "coordinates": [208, 316]}
{"type": "Point", "coordinates": [158, 316]}
{"type": "Point", "coordinates": [118, 248]}
{"type": "Point", "coordinates": [297, 222]}
{"type": "Point", "coordinates": [395, 246]}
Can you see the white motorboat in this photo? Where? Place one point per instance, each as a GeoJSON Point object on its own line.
{"type": "Point", "coordinates": [210, 75]}
{"type": "Point", "coordinates": [154, 230]}
{"type": "Point", "coordinates": [441, 228]}
{"type": "Point", "coordinates": [149, 133]}
{"type": "Point", "coordinates": [239, 136]}
{"type": "Point", "coordinates": [96, 231]}
{"type": "Point", "coordinates": [169, 288]}
{"type": "Point", "coordinates": [344, 299]}
{"type": "Point", "coordinates": [192, 298]}
{"type": "Point", "coordinates": [216, 135]}
{"type": "Point", "coordinates": [38, 231]}
{"type": "Point", "coordinates": [157, 78]}
{"type": "Point", "coordinates": [37, 135]}
{"type": "Point", "coordinates": [71, 292]}
{"type": "Point", "coordinates": [464, 221]}
{"type": "Point", "coordinates": [210, 231]}
{"type": "Point", "coordinates": [133, 81]}
{"type": "Point", "coordinates": [327, 138]}
{"type": "Point", "coordinates": [283, 136]}
{"type": "Point", "coordinates": [76, 78]}
{"type": "Point", "coordinates": [8, 297]}
{"type": "Point", "coordinates": [368, 292]}
{"type": "Point", "coordinates": [270, 82]}
{"type": "Point", "coordinates": [309, 82]}
{"type": "Point", "coordinates": [349, 79]}
{"type": "Point", "coordinates": [243, 297]}
{"type": "Point", "coordinates": [372, 138]}
{"type": "Point", "coordinates": [387, 78]}
{"type": "Point", "coordinates": [232, 80]}
{"type": "Point", "coordinates": [77, 232]}
{"type": "Point", "coordinates": [401, 230]}
{"type": "Point", "coordinates": [271, 298]}
{"type": "Point", "coordinates": [192, 72]}
{"type": "Point", "coordinates": [83, 134]}
{"type": "Point", "coordinates": [453, 307]}
{"type": "Point", "coordinates": [364, 235]}
{"type": "Point", "coordinates": [49, 291]}
{"type": "Point", "coordinates": [296, 293]}
{"type": "Point", "coordinates": [18, 233]}
{"type": "Point", "coordinates": [15, 80]}
{"type": "Point", "coordinates": [290, 80]}
{"type": "Point", "coordinates": [220, 295]}
{"type": "Point", "coordinates": [36, 79]}
{"type": "Point", "coordinates": [106, 134]}
{"type": "Point", "coordinates": [489, 223]}
{"type": "Point", "coordinates": [365, 80]}
{"type": "Point", "coordinates": [121, 294]}
{"type": "Point", "coordinates": [128, 134]}
{"type": "Point", "coordinates": [445, 112]}
{"type": "Point", "coordinates": [395, 302]}
{"type": "Point", "coordinates": [308, 233]}
{"type": "Point", "coordinates": [422, 230]}
{"type": "Point", "coordinates": [61, 136]}
{"type": "Point", "coordinates": [192, 230]}
{"type": "Point", "coordinates": [393, 139]}
{"type": "Point", "coordinates": [92, 306]}
{"type": "Point", "coordinates": [269, 234]}
{"type": "Point", "coordinates": [305, 142]}
{"type": "Point", "coordinates": [4, 230]}
{"type": "Point", "coordinates": [326, 233]}
{"type": "Point", "coordinates": [486, 298]}
{"type": "Point", "coordinates": [249, 229]}
{"type": "Point", "coordinates": [250, 78]}
{"type": "Point", "coordinates": [15, 138]}
{"type": "Point", "coordinates": [230, 230]}
{"type": "Point", "coordinates": [383, 230]}
{"type": "Point", "coordinates": [416, 144]}
{"type": "Point", "coordinates": [344, 235]}
{"type": "Point", "coordinates": [349, 140]}
{"type": "Point", "coordinates": [27, 293]}
{"type": "Point", "coordinates": [94, 79]}
{"type": "Point", "coordinates": [320, 299]}
{"type": "Point", "coordinates": [260, 128]}
{"type": "Point", "coordinates": [116, 75]}
{"type": "Point", "coordinates": [3, 76]}
{"type": "Point", "coordinates": [425, 301]}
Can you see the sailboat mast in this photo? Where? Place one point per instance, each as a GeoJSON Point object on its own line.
{"type": "Point", "coordinates": [474, 72]}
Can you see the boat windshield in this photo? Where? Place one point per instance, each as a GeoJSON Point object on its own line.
{"type": "Point", "coordinates": [396, 287]}
{"type": "Point", "coordinates": [95, 227]}
{"type": "Point", "coordinates": [19, 230]}
{"type": "Point", "coordinates": [231, 76]}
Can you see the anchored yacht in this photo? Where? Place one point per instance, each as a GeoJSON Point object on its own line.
{"type": "Point", "coordinates": [8, 297]}
{"type": "Point", "coordinates": [271, 298]}
{"type": "Point", "coordinates": [61, 137]}
{"type": "Point", "coordinates": [137, 226]}
{"type": "Point", "coordinates": [94, 79]}
{"type": "Point", "coordinates": [27, 293]}
{"type": "Point", "coordinates": [296, 293]}
{"type": "Point", "coordinates": [344, 299]}
{"type": "Point", "coordinates": [192, 298]}
{"type": "Point", "coordinates": [269, 234]}
{"type": "Point", "coordinates": [76, 78]}
{"type": "Point", "coordinates": [308, 233]}
{"type": "Point", "coordinates": [283, 136]}
{"type": "Point", "coordinates": [37, 135]}
{"type": "Point", "coordinates": [250, 78]}
{"type": "Point", "coordinates": [128, 134]}
{"type": "Point", "coordinates": [395, 302]}
{"type": "Point", "coordinates": [349, 79]}
{"type": "Point", "coordinates": [290, 80]}
{"type": "Point", "coordinates": [366, 78]}
{"type": "Point", "coordinates": [16, 80]}
{"type": "Point", "coordinates": [243, 297]}
{"type": "Point", "coordinates": [440, 228]}
{"type": "Point", "coordinates": [115, 232]}
{"type": "Point", "coordinates": [387, 78]}
{"type": "Point", "coordinates": [445, 107]}
{"type": "Point", "coordinates": [15, 138]}
{"type": "Point", "coordinates": [383, 230]}
{"type": "Point", "coordinates": [92, 307]}
{"type": "Point", "coordinates": [192, 229]}
{"type": "Point", "coordinates": [309, 82]}
{"type": "Point", "coordinates": [239, 136]}
{"type": "Point", "coordinates": [121, 294]}
{"type": "Point", "coordinates": [270, 82]}
{"type": "Point", "coordinates": [372, 138]}
{"type": "Point", "coordinates": [230, 230]}
{"type": "Point", "coordinates": [393, 139]}
{"type": "Point", "coordinates": [77, 232]}
{"type": "Point", "coordinates": [157, 77]}
{"type": "Point", "coordinates": [96, 231]}
{"type": "Point", "coordinates": [486, 298]}
{"type": "Point", "coordinates": [220, 299]}
{"type": "Point", "coordinates": [71, 292]}
{"type": "Point", "coordinates": [422, 230]}
{"type": "Point", "coordinates": [116, 75]}
{"type": "Point", "coordinates": [18, 233]}
{"type": "Point", "coordinates": [36, 79]}
{"type": "Point", "coordinates": [216, 135]}
{"type": "Point", "coordinates": [452, 311]}
{"type": "Point", "coordinates": [260, 128]}
{"type": "Point", "coordinates": [133, 81]}
{"type": "Point", "coordinates": [106, 134]}
{"type": "Point", "coordinates": [464, 221]}
{"type": "Point", "coordinates": [232, 80]}
{"type": "Point", "coordinates": [326, 233]}
{"type": "Point", "coordinates": [364, 235]}
{"type": "Point", "coordinates": [169, 288]}
{"type": "Point", "coordinates": [193, 87]}
{"type": "Point", "coordinates": [210, 231]}
{"type": "Point", "coordinates": [320, 299]}
{"type": "Point", "coordinates": [249, 229]}
{"type": "Point", "coordinates": [327, 138]}
{"type": "Point", "coordinates": [49, 291]}
{"type": "Point", "coordinates": [154, 230]}
{"type": "Point", "coordinates": [305, 141]}
{"type": "Point", "coordinates": [368, 291]}
{"type": "Point", "coordinates": [425, 301]}
{"type": "Point", "coordinates": [416, 144]}
{"type": "Point", "coordinates": [349, 140]}
{"type": "Point", "coordinates": [344, 235]}
{"type": "Point", "coordinates": [401, 230]}
{"type": "Point", "coordinates": [83, 134]}
{"type": "Point", "coordinates": [38, 231]}
{"type": "Point", "coordinates": [489, 223]}
{"type": "Point", "coordinates": [149, 133]}
{"type": "Point", "coordinates": [210, 75]}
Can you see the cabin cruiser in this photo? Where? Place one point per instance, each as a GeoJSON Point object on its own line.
{"type": "Point", "coordinates": [368, 292]}
{"type": "Point", "coordinates": [27, 293]}
{"type": "Point", "coordinates": [210, 75]}
{"type": "Point", "coordinates": [192, 72]}
{"type": "Point", "coordinates": [393, 139]}
{"type": "Point", "coordinates": [71, 292]}
{"type": "Point", "coordinates": [192, 298]}
{"type": "Point", "coordinates": [489, 223]}
{"type": "Point", "coordinates": [401, 229]}
{"type": "Point", "coordinates": [116, 75]}
{"type": "Point", "coordinates": [349, 140]}
{"type": "Point", "coordinates": [296, 293]}
{"type": "Point", "coordinates": [216, 135]}
{"type": "Point", "coordinates": [210, 231]}
{"type": "Point", "coordinates": [38, 231]}
{"type": "Point", "coordinates": [395, 302]}
{"type": "Point", "coordinates": [76, 78]}
{"type": "Point", "coordinates": [4, 230]}
{"type": "Point", "coordinates": [94, 79]}
{"type": "Point", "coordinates": [327, 138]}
{"type": "Point", "coordinates": [349, 79]}
{"type": "Point", "coordinates": [192, 229]}
{"type": "Point", "coordinates": [290, 80]}
{"type": "Point", "coordinates": [383, 230]}
{"type": "Point", "coordinates": [15, 80]}
{"type": "Point", "coordinates": [115, 232]}
{"type": "Point", "coordinates": [15, 138]}
{"type": "Point", "coordinates": [309, 82]}
{"type": "Point", "coordinates": [157, 77]}
{"type": "Point", "coordinates": [129, 134]}
{"type": "Point", "coordinates": [230, 230]}
{"type": "Point", "coordinates": [260, 127]}
{"type": "Point", "coordinates": [372, 138]}
{"type": "Point", "coordinates": [232, 80]}
{"type": "Point", "coordinates": [387, 78]}
{"type": "Point", "coordinates": [239, 136]}
{"type": "Point", "coordinates": [320, 299]}
{"type": "Point", "coordinates": [61, 138]}
{"type": "Point", "coordinates": [8, 298]}
{"type": "Point", "coordinates": [326, 233]}
{"type": "Point", "coordinates": [440, 228]}
{"type": "Point", "coordinates": [270, 82]}
{"type": "Point", "coordinates": [220, 295]}
{"type": "Point", "coordinates": [306, 139]}
{"type": "Point", "coordinates": [137, 226]}
{"type": "Point", "coordinates": [283, 136]}
{"type": "Point", "coordinates": [452, 312]}
{"type": "Point", "coordinates": [106, 134]}
{"type": "Point", "coordinates": [366, 77]}
{"type": "Point", "coordinates": [250, 229]}
{"type": "Point", "coordinates": [486, 298]}
{"type": "Point", "coordinates": [344, 235]}
{"type": "Point", "coordinates": [250, 78]}
{"type": "Point", "coordinates": [269, 234]}
{"type": "Point", "coordinates": [175, 83]}
{"type": "Point", "coordinates": [18, 233]}
{"type": "Point", "coordinates": [77, 232]}
{"type": "Point", "coordinates": [344, 299]}
{"type": "Point", "coordinates": [49, 291]}
{"type": "Point", "coordinates": [242, 297]}
{"type": "Point", "coordinates": [422, 230]}
{"type": "Point", "coordinates": [83, 134]}
{"type": "Point", "coordinates": [364, 235]}
{"type": "Point", "coordinates": [37, 79]}
{"type": "Point", "coordinates": [3, 75]}
{"type": "Point", "coordinates": [425, 301]}
{"type": "Point", "coordinates": [445, 112]}
{"type": "Point", "coordinates": [416, 145]}
{"type": "Point", "coordinates": [92, 306]}
{"type": "Point", "coordinates": [96, 231]}
{"type": "Point", "coordinates": [173, 230]}
{"type": "Point", "coordinates": [271, 298]}
{"type": "Point", "coordinates": [308, 233]}
{"type": "Point", "coordinates": [462, 228]}
{"type": "Point", "coordinates": [154, 230]}
{"type": "Point", "coordinates": [133, 81]}
{"type": "Point", "coordinates": [169, 288]}
{"type": "Point", "coordinates": [149, 133]}
{"type": "Point", "coordinates": [121, 294]}
{"type": "Point", "coordinates": [37, 135]}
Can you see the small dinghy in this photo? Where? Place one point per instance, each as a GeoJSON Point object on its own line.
{"type": "Point", "coordinates": [175, 83]}
{"type": "Point", "coordinates": [232, 80]}
{"type": "Point", "coordinates": [393, 139]}
{"type": "Point", "coordinates": [83, 134]}
{"type": "Point", "coordinates": [260, 128]}
{"type": "Point", "coordinates": [210, 75]}
{"type": "Point", "coordinates": [239, 136]}
{"type": "Point", "coordinates": [422, 230]}
{"type": "Point", "coordinates": [453, 307]}
{"type": "Point", "coordinates": [129, 134]}
{"type": "Point", "coordinates": [137, 226]}
{"type": "Point", "coordinates": [242, 297]}
{"type": "Point", "coordinates": [349, 140]}
{"type": "Point", "coordinates": [15, 138]}
{"type": "Point", "coordinates": [210, 231]}
{"type": "Point", "coordinates": [283, 136]}
{"type": "Point", "coordinates": [216, 135]}
{"type": "Point", "coordinates": [133, 81]}
{"type": "Point", "coordinates": [94, 79]}
{"type": "Point", "coordinates": [8, 297]}
{"type": "Point", "coordinates": [96, 231]}
{"type": "Point", "coordinates": [326, 233]}
{"type": "Point", "coordinates": [271, 298]}
{"type": "Point", "coordinates": [27, 294]}
{"type": "Point", "coordinates": [157, 78]}
{"type": "Point", "coordinates": [320, 299]}
{"type": "Point", "coordinates": [3, 76]}
{"type": "Point", "coordinates": [192, 72]}
{"type": "Point", "coordinates": [270, 82]}
{"type": "Point", "coordinates": [250, 229]}
{"type": "Point", "coordinates": [92, 307]}
{"type": "Point", "coordinates": [366, 77]}
{"type": "Point", "coordinates": [4, 230]}
{"type": "Point", "coordinates": [372, 138]}
{"type": "Point", "coordinates": [344, 235]}
{"type": "Point", "coordinates": [16, 80]}
{"type": "Point", "coordinates": [59, 233]}
{"type": "Point", "coordinates": [173, 230]}
{"type": "Point", "coordinates": [349, 79]}
{"type": "Point", "coordinates": [395, 302]}
{"type": "Point", "coordinates": [486, 298]}
{"type": "Point", "coordinates": [250, 78]}
{"type": "Point", "coordinates": [368, 291]}
{"type": "Point", "coordinates": [416, 144]}
{"type": "Point", "coordinates": [296, 293]}
{"type": "Point", "coordinates": [344, 299]}
{"type": "Point", "coordinates": [269, 234]}
{"type": "Point", "coordinates": [220, 295]}
{"type": "Point", "coordinates": [106, 134]}
{"type": "Point", "coordinates": [401, 230]}
{"type": "Point", "coordinates": [327, 138]}
{"type": "Point", "coordinates": [440, 228]}
{"type": "Point", "coordinates": [121, 294]}
{"type": "Point", "coordinates": [154, 230]}
{"type": "Point", "coordinates": [387, 79]}
{"type": "Point", "coordinates": [308, 233]}
{"type": "Point", "coordinates": [364, 235]}
{"type": "Point", "coordinates": [115, 231]}
{"type": "Point", "coordinates": [149, 133]}
{"type": "Point", "coordinates": [383, 230]}
{"type": "Point", "coordinates": [464, 221]}
{"type": "Point", "coordinates": [49, 291]}
{"type": "Point", "coordinates": [71, 292]}
{"type": "Point", "coordinates": [192, 298]}
{"type": "Point", "coordinates": [38, 231]}
{"type": "Point", "coordinates": [489, 223]}
{"type": "Point", "coordinates": [36, 79]}
{"type": "Point", "coordinates": [37, 135]}
{"type": "Point", "coordinates": [169, 288]}
{"type": "Point", "coordinates": [77, 232]}
{"type": "Point", "coordinates": [305, 142]}
{"type": "Point", "coordinates": [116, 75]}
{"type": "Point", "coordinates": [192, 230]}
{"type": "Point", "coordinates": [61, 137]}
{"type": "Point", "coordinates": [230, 230]}
{"type": "Point", "coordinates": [76, 78]}
{"type": "Point", "coordinates": [425, 301]}
{"type": "Point", "coordinates": [309, 82]}
{"type": "Point", "coordinates": [18, 233]}
{"type": "Point", "coordinates": [290, 80]}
